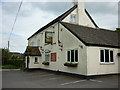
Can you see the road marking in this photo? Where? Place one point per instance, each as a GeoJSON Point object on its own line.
{"type": "Point", "coordinates": [73, 82]}
{"type": "Point", "coordinates": [56, 78]}
{"type": "Point", "coordinates": [95, 80]}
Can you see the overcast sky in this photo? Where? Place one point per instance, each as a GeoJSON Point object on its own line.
{"type": "Point", "coordinates": [34, 15]}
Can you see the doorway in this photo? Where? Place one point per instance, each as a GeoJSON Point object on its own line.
{"type": "Point", "coordinates": [27, 62]}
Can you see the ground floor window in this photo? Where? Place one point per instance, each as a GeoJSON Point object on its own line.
{"type": "Point", "coordinates": [72, 55]}
{"type": "Point", "coordinates": [36, 60]}
{"type": "Point", "coordinates": [106, 56]}
{"type": "Point", "coordinates": [47, 57]}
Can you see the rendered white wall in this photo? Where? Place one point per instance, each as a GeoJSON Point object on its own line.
{"type": "Point", "coordinates": [70, 42]}
{"type": "Point", "coordinates": [94, 67]}
{"type": "Point", "coordinates": [32, 60]}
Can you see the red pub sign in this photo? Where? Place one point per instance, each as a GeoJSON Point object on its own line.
{"type": "Point", "coordinates": [53, 57]}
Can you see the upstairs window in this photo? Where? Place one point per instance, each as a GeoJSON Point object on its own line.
{"type": "Point", "coordinates": [72, 56]}
{"type": "Point", "coordinates": [106, 56]}
{"type": "Point", "coordinates": [48, 37]}
{"type": "Point", "coordinates": [38, 42]}
{"type": "Point", "coordinates": [73, 18]}
{"type": "Point", "coordinates": [32, 43]}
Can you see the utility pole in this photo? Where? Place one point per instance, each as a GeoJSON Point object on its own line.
{"type": "Point", "coordinates": [8, 45]}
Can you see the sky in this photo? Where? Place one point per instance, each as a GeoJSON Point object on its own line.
{"type": "Point", "coordinates": [34, 15]}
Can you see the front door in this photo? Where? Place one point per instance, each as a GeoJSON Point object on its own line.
{"type": "Point", "coordinates": [27, 62]}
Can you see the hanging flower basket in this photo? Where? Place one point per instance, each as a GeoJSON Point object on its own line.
{"type": "Point", "coordinates": [45, 63]}
{"type": "Point", "coordinates": [70, 64]}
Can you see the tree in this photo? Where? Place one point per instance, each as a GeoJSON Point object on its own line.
{"type": "Point", "coordinates": [5, 56]}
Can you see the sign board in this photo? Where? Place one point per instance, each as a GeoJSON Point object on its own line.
{"type": "Point", "coordinates": [53, 57]}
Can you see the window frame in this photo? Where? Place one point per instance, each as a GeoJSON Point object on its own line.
{"type": "Point", "coordinates": [73, 18]}
{"type": "Point", "coordinates": [35, 60]}
{"type": "Point", "coordinates": [70, 55]}
{"type": "Point", "coordinates": [47, 54]}
{"type": "Point", "coordinates": [105, 56]}
{"type": "Point", "coordinates": [38, 42]}
{"type": "Point", "coordinates": [32, 43]}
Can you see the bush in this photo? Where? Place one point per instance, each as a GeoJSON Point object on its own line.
{"type": "Point", "coordinates": [17, 63]}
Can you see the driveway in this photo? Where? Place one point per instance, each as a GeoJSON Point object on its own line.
{"type": "Point", "coordinates": [45, 79]}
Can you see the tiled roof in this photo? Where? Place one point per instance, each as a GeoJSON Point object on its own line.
{"type": "Point", "coordinates": [94, 36]}
{"type": "Point", "coordinates": [32, 51]}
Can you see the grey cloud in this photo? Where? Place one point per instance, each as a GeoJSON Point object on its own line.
{"type": "Point", "coordinates": [10, 7]}
{"type": "Point", "coordinates": [53, 7]}
{"type": "Point", "coordinates": [102, 7]}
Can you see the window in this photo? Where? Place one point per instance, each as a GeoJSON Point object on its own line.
{"type": "Point", "coordinates": [32, 43]}
{"type": "Point", "coordinates": [73, 18]}
{"type": "Point", "coordinates": [76, 55]}
{"type": "Point", "coordinates": [36, 60]}
{"type": "Point", "coordinates": [68, 56]}
{"type": "Point", "coordinates": [102, 55]}
{"type": "Point", "coordinates": [111, 56]}
{"type": "Point", "coordinates": [47, 56]}
{"type": "Point", "coordinates": [106, 56]}
{"type": "Point", "coordinates": [38, 42]}
{"type": "Point", "coordinates": [48, 37]}
{"type": "Point", "coordinates": [72, 56]}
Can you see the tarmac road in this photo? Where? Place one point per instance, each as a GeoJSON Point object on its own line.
{"type": "Point", "coordinates": [45, 79]}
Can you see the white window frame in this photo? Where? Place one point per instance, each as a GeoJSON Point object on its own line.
{"type": "Point", "coordinates": [38, 42]}
{"type": "Point", "coordinates": [73, 18]}
{"type": "Point", "coordinates": [104, 57]}
{"type": "Point", "coordinates": [32, 43]}
{"type": "Point", "coordinates": [37, 60]}
{"type": "Point", "coordinates": [70, 55]}
{"type": "Point", "coordinates": [46, 55]}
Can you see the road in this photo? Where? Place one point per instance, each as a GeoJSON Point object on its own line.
{"type": "Point", "coordinates": [45, 79]}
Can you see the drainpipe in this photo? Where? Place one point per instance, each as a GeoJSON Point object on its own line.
{"type": "Point", "coordinates": [58, 33]}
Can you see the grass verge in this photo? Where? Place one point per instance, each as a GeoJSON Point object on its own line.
{"type": "Point", "coordinates": [9, 67]}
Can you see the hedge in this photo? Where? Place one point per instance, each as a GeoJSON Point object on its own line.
{"type": "Point", "coordinates": [18, 63]}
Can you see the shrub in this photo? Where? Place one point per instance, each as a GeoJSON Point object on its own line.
{"type": "Point", "coordinates": [17, 63]}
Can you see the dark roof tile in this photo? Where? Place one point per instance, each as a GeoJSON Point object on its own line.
{"type": "Point", "coordinates": [93, 36]}
{"type": "Point", "coordinates": [32, 51]}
